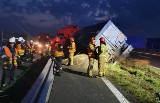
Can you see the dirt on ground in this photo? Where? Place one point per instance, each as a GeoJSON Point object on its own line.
{"type": "Point", "coordinates": [81, 61]}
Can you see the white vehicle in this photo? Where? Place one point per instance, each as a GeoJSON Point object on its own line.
{"type": "Point", "coordinates": [115, 40]}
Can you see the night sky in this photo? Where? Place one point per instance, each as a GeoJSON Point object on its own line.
{"type": "Point", "coordinates": [135, 17]}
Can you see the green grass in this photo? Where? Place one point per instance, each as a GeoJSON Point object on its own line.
{"type": "Point", "coordinates": [142, 81]}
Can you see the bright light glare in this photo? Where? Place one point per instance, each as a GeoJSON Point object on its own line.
{"type": "Point", "coordinates": [40, 45]}
{"type": "Point", "coordinates": [36, 43]}
{"type": "Point", "coordinates": [47, 45]}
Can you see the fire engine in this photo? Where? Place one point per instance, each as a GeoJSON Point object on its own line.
{"type": "Point", "coordinates": [66, 33]}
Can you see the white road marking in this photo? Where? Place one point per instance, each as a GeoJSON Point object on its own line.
{"type": "Point", "coordinates": [146, 53]}
{"type": "Point", "coordinates": [118, 95]}
{"type": "Point", "coordinates": [155, 67]}
{"type": "Point", "coordinates": [144, 56]}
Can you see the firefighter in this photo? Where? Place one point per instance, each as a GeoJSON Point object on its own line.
{"type": "Point", "coordinates": [9, 57]}
{"type": "Point", "coordinates": [20, 50]}
{"type": "Point", "coordinates": [58, 54]}
{"type": "Point", "coordinates": [23, 47]}
{"type": "Point", "coordinates": [91, 56]}
{"type": "Point", "coordinates": [31, 50]}
{"type": "Point", "coordinates": [72, 50]}
{"type": "Point", "coordinates": [102, 57]}
{"type": "Point", "coordinates": [26, 52]}
{"type": "Point", "coordinates": [48, 49]}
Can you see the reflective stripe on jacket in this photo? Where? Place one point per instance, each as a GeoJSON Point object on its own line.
{"type": "Point", "coordinates": [19, 49]}
{"type": "Point", "coordinates": [91, 49]}
{"type": "Point", "coordinates": [31, 47]}
{"type": "Point", "coordinates": [8, 58]}
{"type": "Point", "coordinates": [102, 50]}
{"type": "Point", "coordinates": [72, 47]}
{"type": "Point", "coordinates": [56, 50]}
{"type": "Point", "coordinates": [8, 52]}
{"type": "Point", "coordinates": [49, 48]}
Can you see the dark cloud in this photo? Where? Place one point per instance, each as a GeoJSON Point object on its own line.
{"type": "Point", "coordinates": [35, 16]}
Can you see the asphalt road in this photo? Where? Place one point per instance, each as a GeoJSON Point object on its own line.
{"type": "Point", "coordinates": [153, 57]}
{"type": "Point", "coordinates": [74, 87]}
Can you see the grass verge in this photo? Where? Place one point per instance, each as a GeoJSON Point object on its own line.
{"type": "Point", "coordinates": [138, 78]}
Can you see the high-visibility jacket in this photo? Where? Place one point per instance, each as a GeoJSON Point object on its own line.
{"type": "Point", "coordinates": [9, 54]}
{"type": "Point", "coordinates": [9, 57]}
{"type": "Point", "coordinates": [72, 47]}
{"type": "Point", "coordinates": [102, 50]}
{"type": "Point", "coordinates": [23, 46]}
{"type": "Point", "coordinates": [91, 50]}
{"type": "Point", "coordinates": [31, 48]}
{"type": "Point", "coordinates": [57, 50]}
{"type": "Point", "coordinates": [49, 48]}
{"type": "Point", "coordinates": [20, 50]}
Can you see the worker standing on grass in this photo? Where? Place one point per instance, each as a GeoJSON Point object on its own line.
{"type": "Point", "coordinates": [102, 57]}
{"type": "Point", "coordinates": [91, 56]}
{"type": "Point", "coordinates": [72, 50]}
{"type": "Point", "coordinates": [58, 54]}
{"type": "Point", "coordinates": [9, 58]}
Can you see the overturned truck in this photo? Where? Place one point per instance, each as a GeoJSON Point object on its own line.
{"type": "Point", "coordinates": [115, 40]}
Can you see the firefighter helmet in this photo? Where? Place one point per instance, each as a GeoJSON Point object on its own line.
{"type": "Point", "coordinates": [72, 39]}
{"type": "Point", "coordinates": [102, 39]}
{"type": "Point", "coordinates": [51, 42]}
{"type": "Point", "coordinates": [12, 40]}
{"type": "Point", "coordinates": [20, 39]}
{"type": "Point", "coordinates": [31, 41]}
{"type": "Point", "coordinates": [57, 39]}
{"type": "Point", "coordinates": [23, 41]}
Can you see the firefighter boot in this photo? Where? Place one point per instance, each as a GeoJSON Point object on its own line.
{"type": "Point", "coordinates": [54, 71]}
{"type": "Point", "coordinates": [100, 74]}
{"type": "Point", "coordinates": [89, 71]}
{"type": "Point", "coordinates": [60, 71]}
{"type": "Point", "coordinates": [69, 62]}
{"type": "Point", "coordinates": [90, 74]}
{"type": "Point", "coordinates": [104, 72]}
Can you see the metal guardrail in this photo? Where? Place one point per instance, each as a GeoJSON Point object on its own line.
{"type": "Point", "coordinates": [45, 93]}
{"type": "Point", "coordinates": [40, 90]}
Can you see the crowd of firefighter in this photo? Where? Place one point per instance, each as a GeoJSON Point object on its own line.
{"type": "Point", "coordinates": [17, 51]}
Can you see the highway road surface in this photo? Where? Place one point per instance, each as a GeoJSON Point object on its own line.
{"type": "Point", "coordinates": [73, 86]}
{"type": "Point", "coordinates": [152, 56]}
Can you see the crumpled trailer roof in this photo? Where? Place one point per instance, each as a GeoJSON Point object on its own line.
{"type": "Point", "coordinates": [115, 40]}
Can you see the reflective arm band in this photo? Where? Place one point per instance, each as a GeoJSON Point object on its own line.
{"type": "Point", "coordinates": [4, 63]}
{"type": "Point", "coordinates": [21, 54]}
{"type": "Point", "coordinates": [15, 63]}
{"type": "Point", "coordinates": [10, 61]}
{"type": "Point", "coordinates": [3, 56]}
{"type": "Point", "coordinates": [72, 45]}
